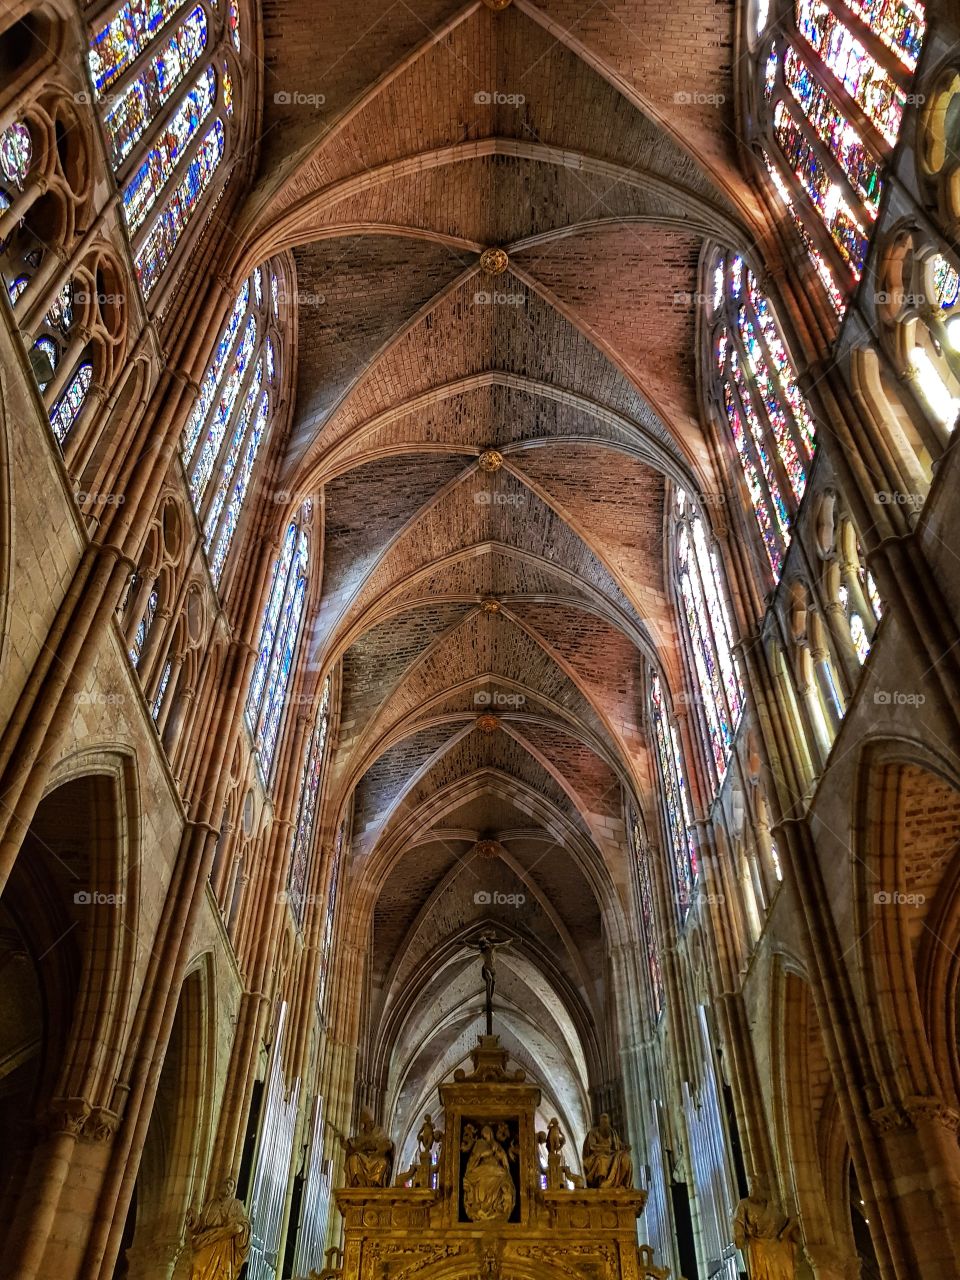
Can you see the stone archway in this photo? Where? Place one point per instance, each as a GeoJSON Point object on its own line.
{"type": "Point", "coordinates": [813, 1147]}
{"type": "Point", "coordinates": [174, 1158]}
{"type": "Point", "coordinates": [68, 913]}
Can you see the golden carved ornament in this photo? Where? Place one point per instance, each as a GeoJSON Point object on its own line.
{"type": "Point", "coordinates": [488, 723]}
{"type": "Point", "coordinates": [489, 605]}
{"type": "Point", "coordinates": [494, 261]}
{"type": "Point", "coordinates": [497, 5]}
{"type": "Point", "coordinates": [490, 460]}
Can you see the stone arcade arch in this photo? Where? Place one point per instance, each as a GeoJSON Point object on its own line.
{"type": "Point", "coordinates": [176, 1149]}
{"type": "Point", "coordinates": [74, 896]}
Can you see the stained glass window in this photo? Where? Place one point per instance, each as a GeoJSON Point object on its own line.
{"type": "Point", "coordinates": [158, 247]}
{"type": "Point", "coordinates": [641, 857]}
{"type": "Point", "coordinates": [203, 468]}
{"type": "Point", "coordinates": [837, 299]}
{"type": "Point", "coordinates": [16, 152]}
{"type": "Point", "coordinates": [859, 165]}
{"type": "Point", "coordinates": [165, 138]}
{"type": "Point", "coordinates": [143, 628]}
{"type": "Point", "coordinates": [674, 794]}
{"type": "Point", "coordinates": [816, 85]}
{"type": "Point", "coordinates": [946, 282]}
{"type": "Point", "coordinates": [116, 45]}
{"type": "Point", "coordinates": [17, 286]}
{"type": "Point", "coordinates": [162, 689]}
{"type": "Point", "coordinates": [825, 194]}
{"type": "Point", "coordinates": [900, 24]}
{"type": "Point", "coordinates": [771, 426]}
{"type": "Point", "coordinates": [231, 419]}
{"type": "Point", "coordinates": [279, 635]}
{"type": "Point", "coordinates": [67, 409]}
{"type": "Point", "coordinates": [212, 377]}
{"type": "Point", "coordinates": [229, 525]}
{"type": "Point", "coordinates": [858, 633]}
{"type": "Point", "coordinates": [709, 631]}
{"type": "Point", "coordinates": [47, 357]}
{"type": "Point", "coordinates": [60, 315]}
{"type": "Point", "coordinates": [303, 832]}
{"type": "Point", "coordinates": [143, 190]}
{"type": "Point", "coordinates": [134, 109]}
{"type": "Point", "coordinates": [871, 88]}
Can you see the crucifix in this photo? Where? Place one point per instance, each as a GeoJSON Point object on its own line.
{"type": "Point", "coordinates": [488, 947]}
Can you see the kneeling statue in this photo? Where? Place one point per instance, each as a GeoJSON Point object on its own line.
{"type": "Point", "coordinates": [220, 1237]}
{"type": "Point", "coordinates": [607, 1163]}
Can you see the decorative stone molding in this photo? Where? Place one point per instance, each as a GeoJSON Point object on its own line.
{"type": "Point", "coordinates": [494, 261]}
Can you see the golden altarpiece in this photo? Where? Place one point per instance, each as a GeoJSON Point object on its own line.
{"type": "Point", "coordinates": [489, 1216]}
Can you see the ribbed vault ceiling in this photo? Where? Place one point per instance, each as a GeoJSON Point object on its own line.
{"type": "Point", "coordinates": [535, 591]}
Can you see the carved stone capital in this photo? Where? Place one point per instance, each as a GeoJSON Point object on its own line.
{"type": "Point", "coordinates": [914, 1112]}
{"type": "Point", "coordinates": [76, 1118]}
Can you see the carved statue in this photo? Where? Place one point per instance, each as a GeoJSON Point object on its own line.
{"type": "Point", "coordinates": [220, 1237]}
{"type": "Point", "coordinates": [488, 1190]}
{"type": "Point", "coordinates": [558, 1173]}
{"type": "Point", "coordinates": [420, 1173]}
{"type": "Point", "coordinates": [766, 1236]}
{"type": "Point", "coordinates": [607, 1163]}
{"type": "Point", "coordinates": [489, 946]}
{"type": "Point", "coordinates": [369, 1154]}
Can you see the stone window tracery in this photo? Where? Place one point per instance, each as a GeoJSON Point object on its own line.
{"type": "Point", "coordinates": [832, 86]}
{"type": "Point", "coordinates": [71, 312]}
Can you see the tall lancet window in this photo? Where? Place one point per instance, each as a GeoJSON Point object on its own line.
{"type": "Point", "coordinates": [301, 850]}
{"type": "Point", "coordinates": [231, 418]}
{"type": "Point", "coordinates": [163, 75]}
{"type": "Point", "coordinates": [770, 423]}
{"type": "Point", "coordinates": [641, 860]}
{"type": "Point", "coordinates": [709, 632]}
{"type": "Point", "coordinates": [676, 804]}
{"type": "Point", "coordinates": [279, 636]}
{"type": "Point", "coordinates": [832, 82]}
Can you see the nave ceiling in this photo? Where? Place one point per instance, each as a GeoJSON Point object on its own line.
{"type": "Point", "coordinates": [494, 450]}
